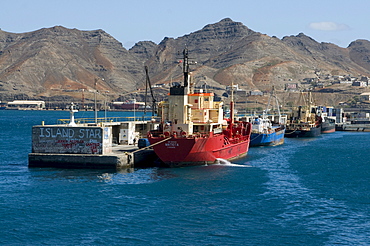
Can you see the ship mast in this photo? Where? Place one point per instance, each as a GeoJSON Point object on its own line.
{"type": "Point", "coordinates": [232, 108]}
{"type": "Point", "coordinates": [232, 103]}
{"type": "Point", "coordinates": [273, 95]}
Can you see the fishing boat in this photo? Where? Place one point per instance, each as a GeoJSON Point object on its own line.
{"type": "Point", "coordinates": [3, 105]}
{"type": "Point", "coordinates": [264, 133]}
{"type": "Point", "coordinates": [304, 120]}
{"type": "Point", "coordinates": [193, 130]}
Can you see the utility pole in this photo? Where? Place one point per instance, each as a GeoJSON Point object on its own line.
{"type": "Point", "coordinates": [95, 106]}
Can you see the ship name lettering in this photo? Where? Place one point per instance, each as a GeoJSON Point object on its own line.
{"type": "Point", "coordinates": [171, 144]}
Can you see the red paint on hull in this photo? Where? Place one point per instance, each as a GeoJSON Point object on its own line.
{"type": "Point", "coordinates": [198, 151]}
{"type": "Point", "coordinates": [329, 131]}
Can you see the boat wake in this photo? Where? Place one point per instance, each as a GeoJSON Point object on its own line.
{"type": "Point", "coordinates": [105, 177]}
{"type": "Point", "coordinates": [223, 162]}
{"type": "Point", "coordinates": [303, 206]}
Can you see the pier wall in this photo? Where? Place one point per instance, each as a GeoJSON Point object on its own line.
{"type": "Point", "coordinates": [88, 146]}
{"type": "Point", "coordinates": [76, 160]}
{"type": "Point", "coordinates": [71, 140]}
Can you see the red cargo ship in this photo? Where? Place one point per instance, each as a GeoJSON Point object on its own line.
{"type": "Point", "coordinates": [193, 130]}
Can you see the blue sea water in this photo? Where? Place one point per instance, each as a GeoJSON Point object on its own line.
{"type": "Point", "coordinates": [305, 192]}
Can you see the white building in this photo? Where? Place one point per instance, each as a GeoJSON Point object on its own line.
{"type": "Point", "coordinates": [25, 104]}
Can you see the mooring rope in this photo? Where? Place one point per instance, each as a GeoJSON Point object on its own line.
{"type": "Point", "coordinates": [147, 147]}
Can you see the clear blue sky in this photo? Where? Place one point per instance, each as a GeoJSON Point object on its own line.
{"type": "Point", "coordinates": [129, 21]}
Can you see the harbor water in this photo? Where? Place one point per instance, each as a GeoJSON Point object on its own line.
{"type": "Point", "coordinates": [304, 192]}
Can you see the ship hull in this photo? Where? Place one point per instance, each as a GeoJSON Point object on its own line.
{"type": "Point", "coordinates": [267, 139]}
{"type": "Point", "coordinates": [296, 133]}
{"type": "Point", "coordinates": [327, 127]}
{"type": "Point", "coordinates": [178, 152]}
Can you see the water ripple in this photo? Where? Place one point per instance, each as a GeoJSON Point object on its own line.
{"type": "Point", "coordinates": [304, 207]}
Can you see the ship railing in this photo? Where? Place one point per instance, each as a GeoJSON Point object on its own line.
{"type": "Point", "coordinates": [238, 139]}
{"type": "Point", "coordinates": [105, 120]}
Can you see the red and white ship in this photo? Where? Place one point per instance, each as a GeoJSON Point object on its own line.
{"type": "Point", "coordinates": [130, 105]}
{"type": "Point", "coordinates": [193, 130]}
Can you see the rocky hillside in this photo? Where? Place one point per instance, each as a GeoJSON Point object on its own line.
{"type": "Point", "coordinates": [229, 51]}
{"type": "Point", "coordinates": [56, 62]}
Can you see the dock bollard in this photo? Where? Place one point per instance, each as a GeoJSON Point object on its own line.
{"type": "Point", "coordinates": [130, 159]}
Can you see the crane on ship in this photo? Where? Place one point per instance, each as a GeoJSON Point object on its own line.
{"type": "Point", "coordinates": [148, 84]}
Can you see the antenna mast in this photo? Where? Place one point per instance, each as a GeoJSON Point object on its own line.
{"type": "Point", "coordinates": [186, 67]}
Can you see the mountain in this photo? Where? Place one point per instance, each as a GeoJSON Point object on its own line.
{"type": "Point", "coordinates": [229, 51]}
{"type": "Point", "coordinates": [359, 52]}
{"type": "Point", "coordinates": [54, 61]}
{"type": "Point", "coordinates": [58, 62]}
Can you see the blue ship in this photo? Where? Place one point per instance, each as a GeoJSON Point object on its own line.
{"type": "Point", "coordinates": [265, 134]}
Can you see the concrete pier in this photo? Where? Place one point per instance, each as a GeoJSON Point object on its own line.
{"type": "Point", "coordinates": [122, 156]}
{"type": "Point", "coordinates": [353, 127]}
{"type": "Point", "coordinates": [90, 145]}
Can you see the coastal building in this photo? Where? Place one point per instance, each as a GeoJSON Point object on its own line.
{"type": "Point", "coordinates": [256, 93]}
{"type": "Point", "coordinates": [365, 96]}
{"type": "Point", "coordinates": [26, 105]}
{"type": "Point", "coordinates": [359, 83]}
{"type": "Point", "coordinates": [236, 90]}
{"type": "Point", "coordinates": [365, 79]}
{"type": "Point", "coordinates": [291, 87]}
